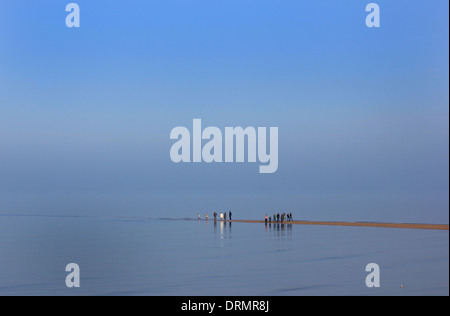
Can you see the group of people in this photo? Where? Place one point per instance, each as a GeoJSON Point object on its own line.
{"type": "Point", "coordinates": [222, 216]}
{"type": "Point", "coordinates": [279, 217]}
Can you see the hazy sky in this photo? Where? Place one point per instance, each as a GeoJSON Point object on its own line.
{"type": "Point", "coordinates": [363, 114]}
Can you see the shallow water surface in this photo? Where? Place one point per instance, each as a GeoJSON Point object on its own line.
{"type": "Point", "coordinates": [141, 256]}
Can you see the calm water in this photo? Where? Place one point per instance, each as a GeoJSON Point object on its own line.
{"type": "Point", "coordinates": [139, 256]}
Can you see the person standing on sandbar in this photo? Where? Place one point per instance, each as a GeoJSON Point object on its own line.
{"type": "Point", "coordinates": [230, 215]}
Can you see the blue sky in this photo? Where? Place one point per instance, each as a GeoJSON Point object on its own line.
{"type": "Point", "coordinates": [85, 114]}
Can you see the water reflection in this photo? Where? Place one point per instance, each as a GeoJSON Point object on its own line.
{"type": "Point", "coordinates": [279, 230]}
{"type": "Point", "coordinates": [278, 237]}
{"type": "Point", "coordinates": [222, 231]}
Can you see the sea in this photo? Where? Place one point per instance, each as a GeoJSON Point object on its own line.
{"type": "Point", "coordinates": [190, 257]}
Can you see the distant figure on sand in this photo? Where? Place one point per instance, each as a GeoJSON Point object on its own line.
{"type": "Point", "coordinates": [207, 216]}
{"type": "Point", "coordinates": [225, 216]}
{"type": "Point", "coordinates": [215, 215]}
{"type": "Point", "coordinates": [230, 215]}
{"type": "Point", "coordinates": [265, 219]}
{"type": "Point", "coordinates": [198, 215]}
{"type": "Point", "coordinates": [221, 216]}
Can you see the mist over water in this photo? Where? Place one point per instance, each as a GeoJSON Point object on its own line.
{"type": "Point", "coordinates": [86, 175]}
{"type": "Point", "coordinates": [362, 114]}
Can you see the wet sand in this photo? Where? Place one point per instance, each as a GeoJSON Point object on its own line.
{"type": "Point", "coordinates": [357, 224]}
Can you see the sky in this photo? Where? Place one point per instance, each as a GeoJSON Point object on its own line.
{"type": "Point", "coordinates": [362, 113]}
